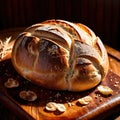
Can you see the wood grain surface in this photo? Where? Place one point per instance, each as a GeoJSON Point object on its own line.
{"type": "Point", "coordinates": [100, 108]}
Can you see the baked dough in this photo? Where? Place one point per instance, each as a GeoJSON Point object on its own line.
{"type": "Point", "coordinates": [60, 55]}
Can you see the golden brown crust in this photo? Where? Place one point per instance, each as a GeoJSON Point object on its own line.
{"type": "Point", "coordinates": [60, 55]}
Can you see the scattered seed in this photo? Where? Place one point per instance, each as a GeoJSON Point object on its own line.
{"type": "Point", "coordinates": [51, 106]}
{"type": "Point", "coordinates": [60, 107]}
{"type": "Point", "coordinates": [11, 83]}
{"type": "Point", "coordinates": [105, 90]}
{"type": "Point", "coordinates": [85, 100]}
{"type": "Point", "coordinates": [28, 95]}
{"type": "Point", "coordinates": [100, 99]}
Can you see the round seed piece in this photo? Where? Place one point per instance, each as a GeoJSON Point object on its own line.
{"type": "Point", "coordinates": [85, 100]}
{"type": "Point", "coordinates": [11, 83]}
{"type": "Point", "coordinates": [51, 106]}
{"type": "Point", "coordinates": [28, 95]}
{"type": "Point", "coordinates": [61, 107]}
{"type": "Point", "coordinates": [105, 90]}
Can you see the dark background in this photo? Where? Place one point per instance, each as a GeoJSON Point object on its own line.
{"type": "Point", "coordinates": [102, 16]}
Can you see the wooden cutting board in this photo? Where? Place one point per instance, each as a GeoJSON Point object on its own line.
{"type": "Point", "coordinates": [99, 108]}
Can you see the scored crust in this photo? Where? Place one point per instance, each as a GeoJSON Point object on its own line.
{"type": "Point", "coordinates": [60, 55]}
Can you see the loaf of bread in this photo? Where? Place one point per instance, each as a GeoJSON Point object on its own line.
{"type": "Point", "coordinates": [60, 55]}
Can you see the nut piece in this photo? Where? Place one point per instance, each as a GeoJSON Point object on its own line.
{"type": "Point", "coordinates": [11, 83]}
{"type": "Point", "coordinates": [105, 90]}
{"type": "Point", "coordinates": [61, 107]}
{"type": "Point", "coordinates": [28, 95]}
{"type": "Point", "coordinates": [51, 106]}
{"type": "Point", "coordinates": [85, 100]}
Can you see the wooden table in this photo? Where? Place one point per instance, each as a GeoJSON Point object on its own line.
{"type": "Point", "coordinates": [114, 58]}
